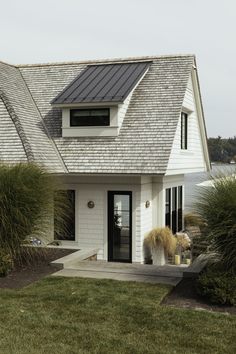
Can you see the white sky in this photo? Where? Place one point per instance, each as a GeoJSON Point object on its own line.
{"type": "Point", "coordinates": [71, 30]}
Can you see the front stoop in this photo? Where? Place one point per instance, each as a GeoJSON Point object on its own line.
{"type": "Point", "coordinates": [168, 274]}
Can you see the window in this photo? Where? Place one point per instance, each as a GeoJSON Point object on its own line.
{"type": "Point", "coordinates": [64, 224]}
{"type": "Point", "coordinates": [180, 208]}
{"type": "Point", "coordinates": [184, 131]}
{"type": "Point", "coordinates": [168, 207]}
{"type": "Point", "coordinates": [89, 117]}
{"type": "Point", "coordinates": [174, 208]}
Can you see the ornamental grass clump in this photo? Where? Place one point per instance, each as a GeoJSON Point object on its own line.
{"type": "Point", "coordinates": [27, 204]}
{"type": "Point", "coordinates": [193, 219]}
{"type": "Point", "coordinates": [6, 263]}
{"type": "Point", "coordinates": [161, 237]}
{"type": "Point", "coordinates": [216, 206]}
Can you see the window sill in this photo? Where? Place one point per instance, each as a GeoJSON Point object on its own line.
{"type": "Point", "coordinates": [92, 131]}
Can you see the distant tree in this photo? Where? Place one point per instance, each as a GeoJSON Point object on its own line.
{"type": "Point", "coordinates": [222, 150]}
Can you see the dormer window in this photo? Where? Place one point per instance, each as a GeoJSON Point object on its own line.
{"type": "Point", "coordinates": [184, 131]}
{"type": "Point", "coordinates": [96, 101]}
{"type": "Point", "coordinates": [94, 117]}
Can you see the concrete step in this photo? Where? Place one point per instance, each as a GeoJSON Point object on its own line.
{"type": "Point", "coordinates": [118, 276]}
{"type": "Point", "coordinates": [196, 267]}
{"type": "Point", "coordinates": [132, 269]}
{"type": "Point", "coordinates": [74, 259]}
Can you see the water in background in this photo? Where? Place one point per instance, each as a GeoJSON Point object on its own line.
{"type": "Point", "coordinates": [192, 179]}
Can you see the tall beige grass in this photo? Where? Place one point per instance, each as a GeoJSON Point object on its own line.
{"type": "Point", "coordinates": [161, 236]}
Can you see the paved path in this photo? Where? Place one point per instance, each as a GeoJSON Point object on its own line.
{"type": "Point", "coordinates": [168, 274]}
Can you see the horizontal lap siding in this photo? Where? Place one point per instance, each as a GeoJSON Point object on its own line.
{"type": "Point", "coordinates": [192, 159]}
{"type": "Point", "coordinates": [146, 213]}
{"type": "Point", "coordinates": [90, 231]}
{"type": "Point", "coordinates": [91, 224]}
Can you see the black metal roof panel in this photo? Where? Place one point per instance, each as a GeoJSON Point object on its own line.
{"type": "Point", "coordinates": [103, 83]}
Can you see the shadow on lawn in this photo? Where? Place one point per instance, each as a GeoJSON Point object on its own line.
{"type": "Point", "coordinates": [184, 295]}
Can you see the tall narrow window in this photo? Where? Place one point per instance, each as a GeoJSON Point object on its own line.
{"type": "Point", "coordinates": [64, 224]}
{"type": "Point", "coordinates": [184, 131]}
{"type": "Point", "coordinates": [180, 208]}
{"type": "Point", "coordinates": [174, 210]}
{"type": "Point", "coordinates": [168, 207]}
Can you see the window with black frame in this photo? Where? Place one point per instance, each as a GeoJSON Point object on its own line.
{"type": "Point", "coordinates": [184, 131]}
{"type": "Point", "coordinates": [89, 117]}
{"type": "Point", "coordinates": [174, 208]}
{"type": "Point", "coordinates": [180, 208]}
{"type": "Point", "coordinates": [168, 207]}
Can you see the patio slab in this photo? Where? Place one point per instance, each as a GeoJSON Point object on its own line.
{"type": "Point", "coordinates": [168, 274]}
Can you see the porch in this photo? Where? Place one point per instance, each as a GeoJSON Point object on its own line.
{"type": "Point", "coordinates": [167, 274]}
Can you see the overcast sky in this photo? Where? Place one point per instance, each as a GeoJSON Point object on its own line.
{"type": "Point", "coordinates": [71, 30]}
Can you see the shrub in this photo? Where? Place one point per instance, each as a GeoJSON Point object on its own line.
{"type": "Point", "coordinates": [193, 219]}
{"type": "Point", "coordinates": [26, 204]}
{"type": "Point", "coordinates": [6, 263]}
{"type": "Point", "coordinates": [218, 286]}
{"type": "Point", "coordinates": [161, 237]}
{"type": "Point", "coordinates": [217, 207]}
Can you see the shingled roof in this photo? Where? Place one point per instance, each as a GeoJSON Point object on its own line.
{"type": "Point", "coordinates": [144, 143]}
{"type": "Point", "coordinates": [28, 139]}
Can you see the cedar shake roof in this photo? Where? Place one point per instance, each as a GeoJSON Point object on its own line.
{"type": "Point", "coordinates": [146, 136]}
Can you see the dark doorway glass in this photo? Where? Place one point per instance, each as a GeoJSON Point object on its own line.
{"type": "Point", "coordinates": [120, 226]}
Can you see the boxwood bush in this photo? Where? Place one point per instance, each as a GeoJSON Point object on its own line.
{"type": "Point", "coordinates": [218, 286]}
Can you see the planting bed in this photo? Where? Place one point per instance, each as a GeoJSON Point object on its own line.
{"type": "Point", "coordinates": [25, 274]}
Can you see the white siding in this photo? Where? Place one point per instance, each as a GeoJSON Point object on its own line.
{"type": "Point", "coordinates": [145, 216]}
{"type": "Point", "coordinates": [91, 224]}
{"type": "Point", "coordinates": [192, 159]}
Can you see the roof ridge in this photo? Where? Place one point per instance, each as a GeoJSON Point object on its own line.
{"type": "Point", "coordinates": [20, 130]}
{"type": "Point", "coordinates": [51, 141]}
{"type": "Point", "coordinates": [108, 60]}
{"type": "Point", "coordinates": [5, 63]}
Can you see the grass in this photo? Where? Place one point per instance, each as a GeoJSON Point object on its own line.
{"type": "Point", "coordinates": [68, 315]}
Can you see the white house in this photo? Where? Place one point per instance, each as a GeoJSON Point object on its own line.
{"type": "Point", "coordinates": [120, 134]}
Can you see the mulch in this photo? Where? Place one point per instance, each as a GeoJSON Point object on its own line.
{"type": "Point", "coordinates": [184, 295]}
{"type": "Point", "coordinates": [25, 274]}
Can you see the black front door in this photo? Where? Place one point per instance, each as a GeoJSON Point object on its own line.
{"type": "Point", "coordinates": [120, 226]}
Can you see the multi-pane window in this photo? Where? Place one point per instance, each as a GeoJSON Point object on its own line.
{"type": "Point", "coordinates": [89, 117]}
{"type": "Point", "coordinates": [174, 208]}
{"type": "Point", "coordinates": [184, 131]}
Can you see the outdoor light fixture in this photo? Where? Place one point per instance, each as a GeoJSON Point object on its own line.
{"type": "Point", "coordinates": [91, 204]}
{"type": "Point", "coordinates": [147, 204]}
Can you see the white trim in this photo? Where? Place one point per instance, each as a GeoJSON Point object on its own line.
{"type": "Point", "coordinates": [200, 115]}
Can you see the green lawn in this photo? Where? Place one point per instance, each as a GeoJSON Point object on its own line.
{"type": "Point", "coordinates": [62, 315]}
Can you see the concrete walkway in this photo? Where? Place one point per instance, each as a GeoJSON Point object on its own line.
{"type": "Point", "coordinates": [168, 274]}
